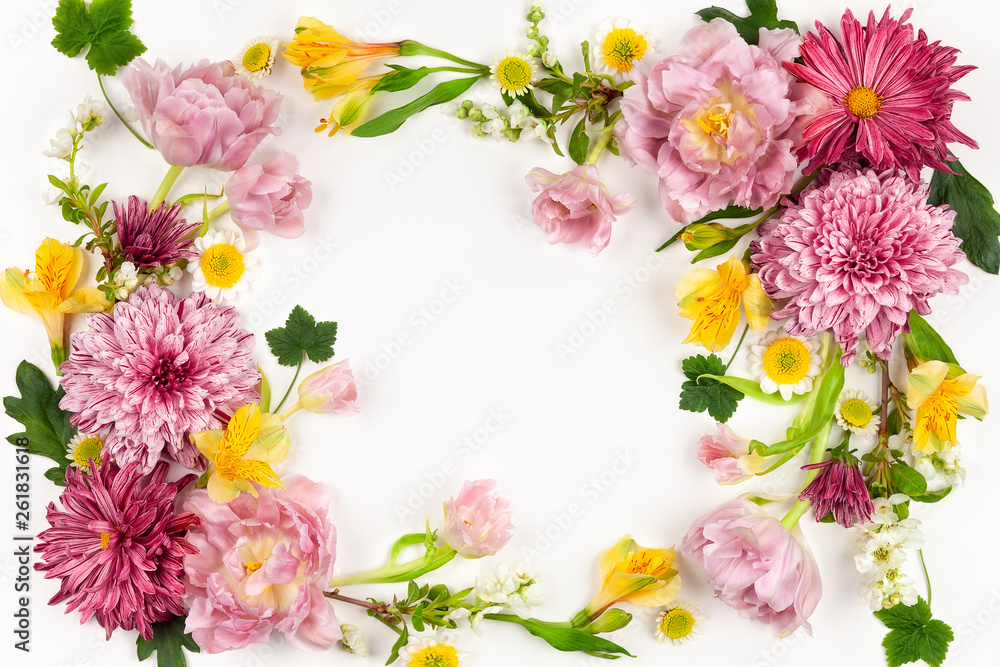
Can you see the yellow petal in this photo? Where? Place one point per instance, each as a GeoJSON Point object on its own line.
{"type": "Point", "coordinates": [923, 381]}
{"type": "Point", "coordinates": [46, 307]}
{"type": "Point", "coordinates": [757, 305]}
{"type": "Point", "coordinates": [86, 300]}
{"type": "Point", "coordinates": [12, 292]}
{"type": "Point", "coordinates": [256, 471]}
{"type": "Point", "coordinates": [272, 444]}
{"type": "Point", "coordinates": [696, 285]}
{"type": "Point", "coordinates": [612, 558]}
{"type": "Point", "coordinates": [58, 266]}
{"type": "Point", "coordinates": [974, 403]}
{"type": "Point", "coordinates": [658, 594]}
{"type": "Point", "coordinates": [352, 109]}
{"type": "Point", "coordinates": [221, 490]}
{"type": "Point", "coordinates": [208, 443]}
{"type": "Point", "coordinates": [242, 430]}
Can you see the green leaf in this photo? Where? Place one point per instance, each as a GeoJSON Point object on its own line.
{"type": "Point", "coordinates": [564, 638]}
{"type": "Point", "coordinates": [923, 343]}
{"type": "Point", "coordinates": [57, 475]}
{"type": "Point", "coordinates": [914, 635]}
{"type": "Point", "coordinates": [104, 25]}
{"type": "Point", "coordinates": [265, 391]}
{"type": "Point", "coordinates": [715, 250]}
{"type": "Point", "coordinates": [763, 14]}
{"type": "Point", "coordinates": [404, 637]}
{"type": "Point", "coordinates": [729, 213]}
{"type": "Point", "coordinates": [752, 389]}
{"type": "Point", "coordinates": [977, 222]}
{"type": "Point", "coordinates": [391, 121]}
{"type": "Point", "coordinates": [416, 619]}
{"type": "Point", "coordinates": [302, 336]}
{"type": "Point", "coordinates": [932, 496]}
{"type": "Point", "coordinates": [908, 481]}
{"type": "Point", "coordinates": [700, 394]}
{"type": "Point", "coordinates": [403, 78]}
{"type": "Point", "coordinates": [169, 640]}
{"type": "Point", "coordinates": [47, 430]}
{"type": "Point", "coordinates": [579, 142]}
{"type": "Point", "coordinates": [402, 543]}
{"type": "Point", "coordinates": [561, 91]}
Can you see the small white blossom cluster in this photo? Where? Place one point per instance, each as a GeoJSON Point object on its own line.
{"type": "Point", "coordinates": [942, 470]}
{"type": "Point", "coordinates": [488, 121]}
{"type": "Point", "coordinates": [127, 278]}
{"type": "Point", "coordinates": [89, 114]}
{"type": "Point", "coordinates": [514, 588]}
{"type": "Point", "coordinates": [882, 546]}
{"type": "Point", "coordinates": [539, 47]}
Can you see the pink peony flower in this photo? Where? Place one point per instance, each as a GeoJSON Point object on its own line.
{"type": "Point", "coordinates": [839, 488]}
{"type": "Point", "coordinates": [476, 522]}
{"type": "Point", "coordinates": [889, 95]}
{"type": "Point", "coordinates": [155, 370]}
{"type": "Point", "coordinates": [756, 565]}
{"type": "Point", "coordinates": [204, 115]}
{"type": "Point", "coordinates": [729, 456]}
{"type": "Point", "coordinates": [330, 389]}
{"type": "Point", "coordinates": [270, 197]}
{"type": "Point", "coordinates": [855, 255]}
{"type": "Point", "coordinates": [118, 546]}
{"type": "Point", "coordinates": [576, 206]}
{"type": "Point", "coordinates": [262, 566]}
{"type": "Point", "coordinates": [718, 122]}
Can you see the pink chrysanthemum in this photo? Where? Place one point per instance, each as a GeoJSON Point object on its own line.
{"type": "Point", "coordinates": [155, 370]}
{"type": "Point", "coordinates": [855, 255]}
{"type": "Point", "coordinates": [840, 489]}
{"type": "Point", "coordinates": [152, 238]}
{"type": "Point", "coordinates": [890, 95]}
{"type": "Point", "coordinates": [118, 546]}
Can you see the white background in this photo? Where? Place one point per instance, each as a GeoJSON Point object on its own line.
{"type": "Point", "coordinates": [459, 216]}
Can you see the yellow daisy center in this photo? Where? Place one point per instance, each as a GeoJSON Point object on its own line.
{"type": "Point", "coordinates": [856, 412]}
{"type": "Point", "coordinates": [622, 48]}
{"type": "Point", "coordinates": [863, 102]}
{"type": "Point", "coordinates": [105, 541]}
{"type": "Point", "coordinates": [88, 449]}
{"type": "Point", "coordinates": [676, 623]}
{"type": "Point", "coordinates": [439, 655]}
{"type": "Point", "coordinates": [257, 57]}
{"type": "Point", "coordinates": [786, 361]}
{"type": "Point", "coordinates": [513, 74]}
{"type": "Point", "coordinates": [222, 265]}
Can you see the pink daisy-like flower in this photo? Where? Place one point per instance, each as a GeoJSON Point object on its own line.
{"type": "Point", "coordinates": [855, 255]}
{"type": "Point", "coordinates": [155, 370]}
{"type": "Point", "coordinates": [152, 238]}
{"type": "Point", "coordinates": [890, 95]}
{"type": "Point", "coordinates": [118, 546]}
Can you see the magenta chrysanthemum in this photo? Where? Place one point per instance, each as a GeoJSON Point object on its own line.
{"type": "Point", "coordinates": [839, 489]}
{"type": "Point", "coordinates": [152, 238]}
{"type": "Point", "coordinates": [855, 255]}
{"type": "Point", "coordinates": [155, 370]}
{"type": "Point", "coordinates": [118, 546]}
{"type": "Point", "coordinates": [890, 95]}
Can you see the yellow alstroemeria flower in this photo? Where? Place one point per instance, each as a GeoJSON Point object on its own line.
{"type": "Point", "coordinates": [331, 62]}
{"type": "Point", "coordinates": [243, 453]}
{"type": "Point", "coordinates": [634, 574]}
{"type": "Point", "coordinates": [49, 295]}
{"type": "Point", "coordinates": [938, 392]}
{"type": "Point", "coordinates": [351, 109]}
{"type": "Point", "coordinates": [712, 298]}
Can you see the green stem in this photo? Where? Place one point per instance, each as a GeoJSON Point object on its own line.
{"type": "Point", "coordinates": [298, 369]}
{"type": "Point", "coordinates": [58, 356]}
{"type": "Point", "coordinates": [107, 99]}
{"type": "Point", "coordinates": [168, 182]}
{"type": "Point", "coordinates": [927, 577]}
{"type": "Point", "coordinates": [290, 411]}
{"type": "Point", "coordinates": [819, 451]}
{"type": "Point", "coordinates": [409, 47]}
{"type": "Point", "coordinates": [398, 573]}
{"type": "Point", "coordinates": [599, 147]}
{"type": "Point", "coordinates": [193, 197]}
{"type": "Point", "coordinates": [217, 211]}
{"type": "Point", "coordinates": [736, 351]}
{"type": "Point", "coordinates": [511, 618]}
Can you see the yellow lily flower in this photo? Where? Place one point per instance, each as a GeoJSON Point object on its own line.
{"type": "Point", "coordinates": [243, 453]}
{"type": "Point", "coordinates": [351, 110]}
{"type": "Point", "coordinates": [634, 574]}
{"type": "Point", "coordinates": [712, 298]}
{"type": "Point", "coordinates": [938, 392]}
{"type": "Point", "coordinates": [331, 62]}
{"type": "Point", "coordinates": [49, 295]}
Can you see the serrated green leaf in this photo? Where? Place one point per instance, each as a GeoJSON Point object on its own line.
{"type": "Point", "coordinates": [977, 221]}
{"type": "Point", "coordinates": [914, 635]}
{"type": "Point", "coordinates": [47, 430]}
{"type": "Point", "coordinates": [908, 481]}
{"type": "Point", "coordinates": [302, 336]}
{"type": "Point", "coordinates": [104, 26]}
{"type": "Point", "coordinates": [391, 121]}
{"type": "Point", "coordinates": [763, 14]}
{"type": "Point", "coordinates": [707, 394]}
{"type": "Point", "coordinates": [169, 640]}
{"type": "Point", "coordinates": [579, 142]}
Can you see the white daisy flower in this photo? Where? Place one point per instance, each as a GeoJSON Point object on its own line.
{"type": "Point", "coordinates": [619, 47]}
{"type": "Point", "coordinates": [435, 651]}
{"type": "Point", "coordinates": [785, 364]}
{"type": "Point", "coordinates": [257, 57]}
{"type": "Point", "coordinates": [678, 623]}
{"type": "Point", "coordinates": [223, 269]}
{"type": "Point", "coordinates": [855, 412]}
{"type": "Point", "coordinates": [513, 72]}
{"type": "Point", "coordinates": [85, 447]}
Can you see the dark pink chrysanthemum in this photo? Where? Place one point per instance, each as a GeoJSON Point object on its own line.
{"type": "Point", "coordinates": [839, 488]}
{"type": "Point", "coordinates": [155, 370]}
{"type": "Point", "coordinates": [152, 238]}
{"type": "Point", "coordinates": [855, 255]}
{"type": "Point", "coordinates": [118, 546]}
{"type": "Point", "coordinates": [890, 95]}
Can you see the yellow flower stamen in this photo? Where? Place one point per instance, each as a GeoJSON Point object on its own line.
{"type": "Point", "coordinates": [676, 623]}
{"type": "Point", "coordinates": [88, 449]}
{"type": "Point", "coordinates": [222, 265]}
{"type": "Point", "coordinates": [105, 541]}
{"type": "Point", "coordinates": [253, 567]}
{"type": "Point", "coordinates": [622, 48]}
{"type": "Point", "coordinates": [257, 57]}
{"type": "Point", "coordinates": [939, 392]}
{"type": "Point", "coordinates": [856, 412]}
{"type": "Point", "coordinates": [439, 655]}
{"type": "Point", "coordinates": [863, 102]}
{"type": "Point", "coordinates": [645, 561]}
{"type": "Point", "coordinates": [786, 361]}
{"type": "Point", "coordinates": [716, 120]}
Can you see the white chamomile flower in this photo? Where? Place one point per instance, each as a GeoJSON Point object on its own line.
{"type": "Point", "coordinates": [353, 640]}
{"type": "Point", "coordinates": [785, 364]}
{"type": "Point", "coordinates": [619, 47]}
{"type": "Point", "coordinates": [86, 447]}
{"type": "Point", "coordinates": [678, 623]}
{"type": "Point", "coordinates": [435, 651]}
{"type": "Point", "coordinates": [223, 269]}
{"type": "Point", "coordinates": [855, 412]}
{"type": "Point", "coordinates": [257, 57]}
{"type": "Point", "coordinates": [513, 587]}
{"type": "Point", "coordinates": [513, 72]}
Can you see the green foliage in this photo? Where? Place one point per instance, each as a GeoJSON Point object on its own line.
{"type": "Point", "coordinates": [104, 25]}
{"type": "Point", "coordinates": [579, 142]}
{"type": "Point", "coordinates": [977, 222]}
{"type": "Point", "coordinates": [907, 481]}
{"type": "Point", "coordinates": [923, 343]}
{"type": "Point", "coordinates": [564, 638]}
{"type": "Point", "coordinates": [302, 336]}
{"type": "Point", "coordinates": [763, 14]}
{"type": "Point", "coordinates": [169, 640]}
{"type": "Point", "coordinates": [700, 394]}
{"type": "Point", "coordinates": [402, 78]}
{"type": "Point", "coordinates": [391, 121]}
{"type": "Point", "coordinates": [914, 635]}
{"type": "Point", "coordinates": [47, 430]}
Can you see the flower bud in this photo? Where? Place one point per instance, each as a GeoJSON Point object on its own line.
{"type": "Point", "coordinates": [330, 389]}
{"type": "Point", "coordinates": [699, 236]}
{"type": "Point", "coordinates": [476, 521]}
{"type": "Point", "coordinates": [532, 32]}
{"type": "Point", "coordinates": [609, 621]}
